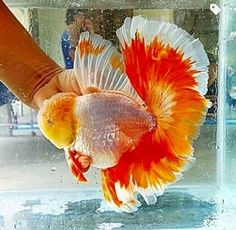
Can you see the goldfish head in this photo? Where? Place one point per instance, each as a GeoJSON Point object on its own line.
{"type": "Point", "coordinates": [58, 121]}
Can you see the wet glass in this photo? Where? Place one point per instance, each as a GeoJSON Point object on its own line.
{"type": "Point", "coordinates": [36, 187]}
{"type": "Point", "coordinates": [228, 114]}
{"type": "Point", "coordinates": [230, 97]}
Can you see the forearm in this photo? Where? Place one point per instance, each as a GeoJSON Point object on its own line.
{"type": "Point", "coordinates": [24, 67]}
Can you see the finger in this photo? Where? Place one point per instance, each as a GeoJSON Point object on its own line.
{"type": "Point", "coordinates": [67, 82]}
{"type": "Point", "coordinates": [47, 91]}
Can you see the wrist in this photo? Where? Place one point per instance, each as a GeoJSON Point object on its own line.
{"type": "Point", "coordinates": [47, 86]}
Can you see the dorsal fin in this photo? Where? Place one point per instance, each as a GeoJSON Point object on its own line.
{"type": "Point", "coordinates": [98, 64]}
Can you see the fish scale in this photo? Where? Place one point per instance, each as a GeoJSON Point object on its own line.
{"type": "Point", "coordinates": [110, 123]}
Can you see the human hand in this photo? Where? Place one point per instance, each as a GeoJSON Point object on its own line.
{"type": "Point", "coordinates": [25, 69]}
{"type": "Point", "coordinates": [64, 81]}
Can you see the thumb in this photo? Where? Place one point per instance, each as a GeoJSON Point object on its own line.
{"type": "Point", "coordinates": [63, 82]}
{"type": "Point", "coordinates": [67, 82]}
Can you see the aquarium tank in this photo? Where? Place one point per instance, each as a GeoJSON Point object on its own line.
{"type": "Point", "coordinates": [37, 190]}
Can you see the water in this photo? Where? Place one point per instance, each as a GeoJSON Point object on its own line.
{"type": "Point", "coordinates": [176, 209]}
{"type": "Point", "coordinates": [36, 188]}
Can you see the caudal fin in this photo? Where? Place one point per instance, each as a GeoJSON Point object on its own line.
{"type": "Point", "coordinates": [168, 69]}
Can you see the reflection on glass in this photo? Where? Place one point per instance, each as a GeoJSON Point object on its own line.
{"type": "Point", "coordinates": [29, 162]}
{"type": "Point", "coordinates": [48, 28]}
{"type": "Point", "coordinates": [230, 98]}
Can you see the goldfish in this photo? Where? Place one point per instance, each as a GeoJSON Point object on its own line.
{"type": "Point", "coordinates": [140, 110]}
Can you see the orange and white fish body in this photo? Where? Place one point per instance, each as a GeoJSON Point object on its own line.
{"type": "Point", "coordinates": [110, 124]}
{"type": "Point", "coordinates": [139, 113]}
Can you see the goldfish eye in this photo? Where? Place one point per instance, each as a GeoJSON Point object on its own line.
{"type": "Point", "coordinates": [50, 122]}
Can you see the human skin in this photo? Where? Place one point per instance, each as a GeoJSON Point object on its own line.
{"type": "Point", "coordinates": [89, 25]}
{"type": "Point", "coordinates": [25, 69]}
{"type": "Point", "coordinates": [74, 29]}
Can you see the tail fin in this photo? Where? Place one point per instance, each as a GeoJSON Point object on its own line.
{"type": "Point", "coordinates": [168, 69]}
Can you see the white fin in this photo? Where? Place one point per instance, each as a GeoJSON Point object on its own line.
{"type": "Point", "coordinates": [168, 34]}
{"type": "Point", "coordinates": [126, 195]}
{"type": "Point", "coordinates": [150, 193]}
{"type": "Point", "coordinates": [98, 64]}
{"type": "Point", "coordinates": [189, 164]}
{"type": "Point", "coordinates": [130, 202]}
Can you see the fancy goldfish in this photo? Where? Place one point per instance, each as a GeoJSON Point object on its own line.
{"type": "Point", "coordinates": [140, 110]}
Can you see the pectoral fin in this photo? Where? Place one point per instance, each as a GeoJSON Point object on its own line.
{"type": "Point", "coordinates": [78, 164]}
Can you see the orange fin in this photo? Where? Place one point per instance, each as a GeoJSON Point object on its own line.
{"type": "Point", "coordinates": [170, 75]}
{"type": "Point", "coordinates": [147, 170]}
{"type": "Point", "coordinates": [78, 164]}
{"type": "Point", "coordinates": [168, 69]}
{"type": "Point", "coordinates": [160, 51]}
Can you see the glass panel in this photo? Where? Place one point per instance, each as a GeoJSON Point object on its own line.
{"type": "Point", "coordinates": [229, 109]}
{"type": "Point", "coordinates": [47, 26]}
{"type": "Point", "coordinates": [37, 189]}
{"type": "Point", "coordinates": [230, 105]}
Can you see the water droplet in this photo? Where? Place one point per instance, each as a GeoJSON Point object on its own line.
{"type": "Point", "coordinates": [53, 169]}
